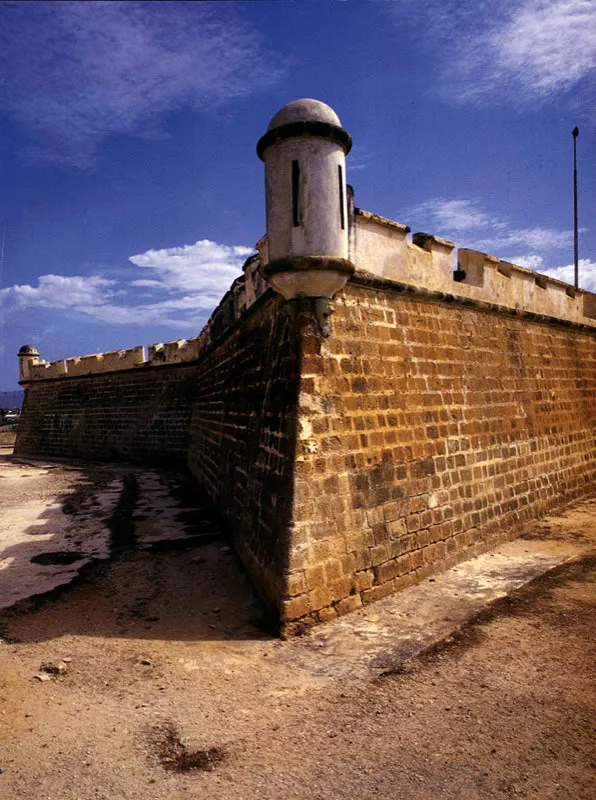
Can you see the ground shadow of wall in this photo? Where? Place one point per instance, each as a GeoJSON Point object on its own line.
{"type": "Point", "coordinates": [185, 589]}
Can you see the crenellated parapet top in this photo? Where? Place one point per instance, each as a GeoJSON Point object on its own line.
{"type": "Point", "coordinates": [381, 247]}
{"type": "Point", "coordinates": [378, 247]}
{"type": "Point", "coordinates": [243, 293]}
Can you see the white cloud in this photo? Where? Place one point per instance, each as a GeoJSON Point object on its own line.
{"type": "Point", "coordinates": [191, 278]}
{"type": "Point", "coordinates": [586, 271]}
{"type": "Point", "coordinates": [180, 313]}
{"type": "Point", "coordinates": [148, 284]}
{"type": "Point", "coordinates": [521, 50]}
{"type": "Point", "coordinates": [59, 291]}
{"type": "Point", "coordinates": [529, 262]}
{"type": "Point", "coordinates": [204, 266]}
{"type": "Point", "coordinates": [455, 215]}
{"type": "Point", "coordinates": [543, 47]}
{"type": "Point", "coordinates": [549, 44]}
{"type": "Point", "coordinates": [466, 220]}
{"type": "Point", "coordinates": [534, 238]}
{"type": "Point", "coordinates": [360, 158]}
{"type": "Point", "coordinates": [586, 267]}
{"type": "Point", "coordinates": [74, 73]}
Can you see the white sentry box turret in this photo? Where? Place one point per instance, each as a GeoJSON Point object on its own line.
{"type": "Point", "coordinates": [304, 151]}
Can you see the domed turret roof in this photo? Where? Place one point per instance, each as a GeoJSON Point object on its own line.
{"type": "Point", "coordinates": [28, 350]}
{"type": "Point", "coordinates": [306, 117]}
{"type": "Point", "coordinates": [305, 110]}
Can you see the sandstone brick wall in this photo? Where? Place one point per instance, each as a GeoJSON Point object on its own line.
{"type": "Point", "coordinates": [423, 430]}
{"type": "Point", "coordinates": [138, 415]}
{"type": "Point", "coordinates": [428, 432]}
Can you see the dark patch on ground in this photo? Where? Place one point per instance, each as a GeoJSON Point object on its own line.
{"type": "Point", "coordinates": [400, 662]}
{"type": "Point", "coordinates": [58, 557]}
{"type": "Point", "coordinates": [174, 756]}
{"type": "Point", "coordinates": [196, 517]}
{"type": "Point", "coordinates": [190, 541]}
{"type": "Point", "coordinates": [188, 492]}
{"type": "Point", "coordinates": [196, 507]}
{"type": "Point", "coordinates": [121, 523]}
{"type": "Point", "coordinates": [56, 670]}
{"type": "Point", "coordinates": [89, 572]}
{"type": "Point", "coordinates": [545, 532]}
{"type": "Point", "coordinates": [6, 637]}
{"type": "Point", "coordinates": [84, 493]}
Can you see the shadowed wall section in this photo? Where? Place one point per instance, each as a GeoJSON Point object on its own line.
{"type": "Point", "coordinates": [242, 439]}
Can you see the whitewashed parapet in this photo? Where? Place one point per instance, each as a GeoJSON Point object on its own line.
{"type": "Point", "coordinates": [44, 369]}
{"type": "Point", "coordinates": [377, 241]}
{"type": "Point", "coordinates": [106, 362]}
{"type": "Point", "coordinates": [438, 270]}
{"type": "Point", "coordinates": [511, 286]}
{"type": "Point", "coordinates": [380, 247]}
{"type": "Point", "coordinates": [176, 352]}
{"type": "Point", "coordinates": [38, 369]}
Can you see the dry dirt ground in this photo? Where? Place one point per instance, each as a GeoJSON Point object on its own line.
{"type": "Point", "coordinates": [168, 685]}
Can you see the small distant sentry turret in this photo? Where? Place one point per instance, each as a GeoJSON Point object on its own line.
{"type": "Point", "coordinates": [28, 356]}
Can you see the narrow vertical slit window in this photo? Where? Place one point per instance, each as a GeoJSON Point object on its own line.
{"type": "Point", "coordinates": [295, 194]}
{"type": "Point", "coordinates": [342, 211]}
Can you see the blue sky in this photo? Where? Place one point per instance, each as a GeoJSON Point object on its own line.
{"type": "Point", "coordinates": [130, 190]}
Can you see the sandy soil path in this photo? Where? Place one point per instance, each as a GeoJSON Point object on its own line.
{"type": "Point", "coordinates": [169, 687]}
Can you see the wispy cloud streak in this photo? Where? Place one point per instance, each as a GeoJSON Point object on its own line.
{"type": "Point", "coordinates": [74, 73]}
{"type": "Point", "coordinates": [524, 51]}
{"type": "Point", "coordinates": [455, 215]}
{"type": "Point", "coordinates": [474, 227]}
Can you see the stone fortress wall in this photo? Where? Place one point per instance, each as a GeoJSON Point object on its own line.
{"type": "Point", "coordinates": [430, 430]}
{"type": "Point", "coordinates": [450, 399]}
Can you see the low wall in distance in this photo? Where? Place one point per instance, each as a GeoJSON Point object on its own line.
{"type": "Point", "coordinates": [7, 438]}
{"type": "Point", "coordinates": [139, 415]}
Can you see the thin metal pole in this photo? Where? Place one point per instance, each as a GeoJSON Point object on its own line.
{"type": "Point", "coordinates": [575, 133]}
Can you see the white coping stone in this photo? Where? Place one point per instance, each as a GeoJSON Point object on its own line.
{"type": "Point", "coordinates": [106, 362]}
{"type": "Point", "coordinates": [181, 350]}
{"type": "Point", "coordinates": [174, 352]}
